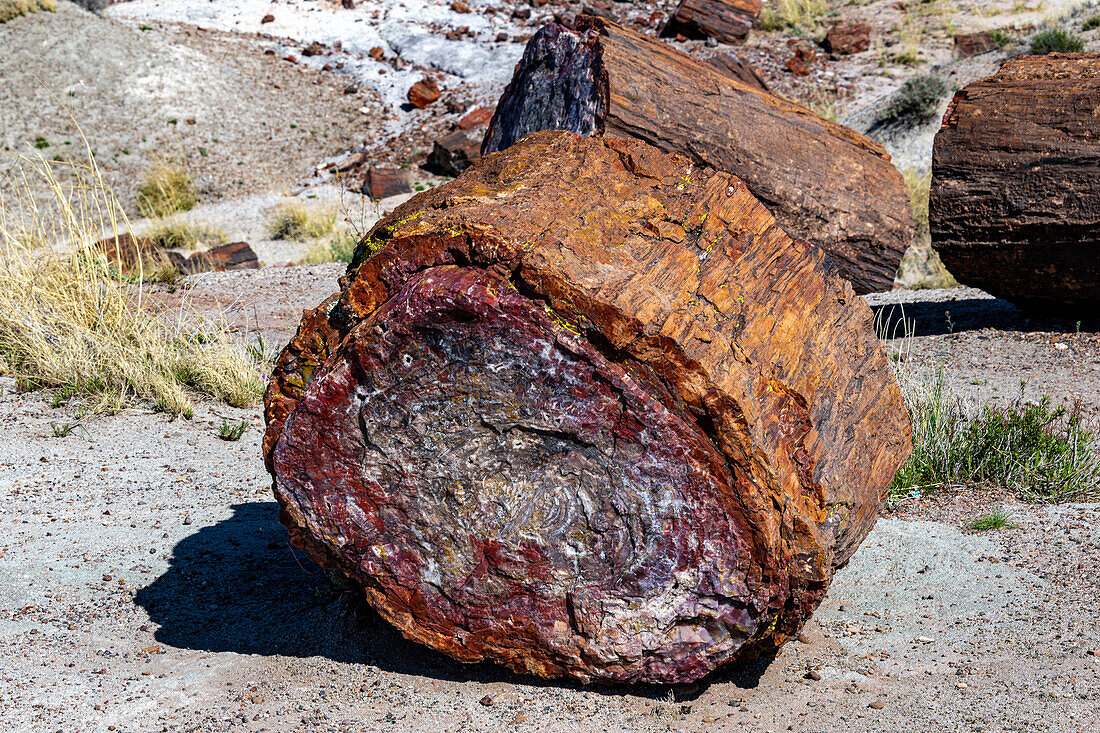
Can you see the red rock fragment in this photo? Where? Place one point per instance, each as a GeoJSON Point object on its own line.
{"type": "Point", "coordinates": [454, 153]}
{"type": "Point", "coordinates": [232, 256]}
{"type": "Point", "coordinates": [382, 183]}
{"type": "Point", "coordinates": [973, 44]}
{"type": "Point", "coordinates": [844, 40]}
{"type": "Point", "coordinates": [728, 21]}
{"type": "Point", "coordinates": [796, 65]}
{"type": "Point", "coordinates": [738, 68]}
{"type": "Point", "coordinates": [477, 117]}
{"type": "Point", "coordinates": [423, 93]}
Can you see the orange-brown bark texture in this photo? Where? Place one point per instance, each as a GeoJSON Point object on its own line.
{"type": "Point", "coordinates": [588, 412]}
{"type": "Point", "coordinates": [824, 182]}
{"type": "Point", "coordinates": [728, 21]}
{"type": "Point", "coordinates": [1014, 207]}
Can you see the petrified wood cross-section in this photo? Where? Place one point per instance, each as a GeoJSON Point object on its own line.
{"type": "Point", "coordinates": [587, 412]}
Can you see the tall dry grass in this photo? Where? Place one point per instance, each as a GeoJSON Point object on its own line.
{"type": "Point", "coordinates": [69, 321]}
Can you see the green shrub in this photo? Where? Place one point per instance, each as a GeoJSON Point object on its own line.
{"type": "Point", "coordinates": [232, 431]}
{"type": "Point", "coordinates": [1000, 37]}
{"type": "Point", "coordinates": [917, 101]}
{"type": "Point", "coordinates": [1056, 40]}
{"type": "Point", "coordinates": [1032, 449]}
{"type": "Point", "coordinates": [1093, 22]}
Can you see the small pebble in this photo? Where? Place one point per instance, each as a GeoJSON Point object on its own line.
{"type": "Point", "coordinates": [877, 705]}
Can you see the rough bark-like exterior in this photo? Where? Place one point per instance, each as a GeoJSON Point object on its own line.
{"type": "Point", "coordinates": [454, 153]}
{"type": "Point", "coordinates": [847, 39]}
{"type": "Point", "coordinates": [588, 412]}
{"type": "Point", "coordinates": [232, 256]}
{"type": "Point", "coordinates": [1014, 207]}
{"type": "Point", "coordinates": [735, 66]}
{"type": "Point", "coordinates": [824, 182]}
{"type": "Point", "coordinates": [728, 21]}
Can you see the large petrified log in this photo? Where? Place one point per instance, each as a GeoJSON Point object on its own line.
{"type": "Point", "coordinates": [822, 181]}
{"type": "Point", "coordinates": [728, 21]}
{"type": "Point", "coordinates": [1014, 206]}
{"type": "Point", "coordinates": [588, 412]}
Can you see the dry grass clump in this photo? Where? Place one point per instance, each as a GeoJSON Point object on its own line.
{"type": "Point", "coordinates": [184, 235]}
{"type": "Point", "coordinates": [294, 221]}
{"type": "Point", "coordinates": [70, 322]}
{"type": "Point", "coordinates": [165, 190]}
{"type": "Point", "coordinates": [14, 8]}
{"type": "Point", "coordinates": [338, 248]}
{"type": "Point", "coordinates": [801, 15]}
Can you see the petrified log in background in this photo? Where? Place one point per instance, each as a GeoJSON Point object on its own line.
{"type": "Point", "coordinates": [824, 182]}
{"type": "Point", "coordinates": [1014, 206]}
{"type": "Point", "coordinates": [728, 21]}
{"type": "Point", "coordinates": [588, 412]}
{"type": "Point", "coordinates": [735, 66]}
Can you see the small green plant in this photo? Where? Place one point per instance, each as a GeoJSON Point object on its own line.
{"type": "Point", "coordinates": [184, 235]}
{"type": "Point", "coordinates": [40, 143]}
{"type": "Point", "coordinates": [165, 190]}
{"type": "Point", "coordinates": [60, 430]}
{"type": "Point", "coordinates": [1033, 449]}
{"type": "Point", "coordinates": [1093, 22]}
{"type": "Point", "coordinates": [1057, 40]}
{"type": "Point", "coordinates": [915, 102]}
{"type": "Point", "coordinates": [232, 431]}
{"type": "Point", "coordinates": [14, 8]}
{"type": "Point", "coordinates": [1000, 37]}
{"type": "Point", "coordinates": [295, 221]}
{"type": "Point", "coordinates": [260, 353]}
{"type": "Point", "coordinates": [998, 518]}
{"type": "Point", "coordinates": [798, 15]}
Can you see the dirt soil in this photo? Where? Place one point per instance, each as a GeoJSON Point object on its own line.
{"type": "Point", "coordinates": [149, 587]}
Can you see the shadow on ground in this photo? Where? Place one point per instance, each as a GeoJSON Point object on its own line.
{"type": "Point", "coordinates": [238, 586]}
{"type": "Point", "coordinates": [938, 318]}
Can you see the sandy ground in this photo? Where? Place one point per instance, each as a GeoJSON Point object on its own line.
{"type": "Point", "coordinates": [148, 587]}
